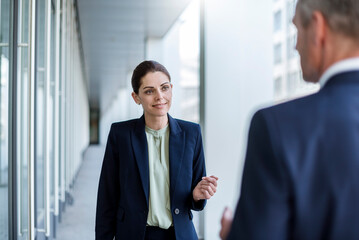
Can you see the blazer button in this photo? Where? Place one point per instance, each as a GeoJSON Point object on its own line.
{"type": "Point", "coordinates": [177, 211]}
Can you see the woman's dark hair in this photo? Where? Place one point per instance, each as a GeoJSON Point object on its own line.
{"type": "Point", "coordinates": [142, 69]}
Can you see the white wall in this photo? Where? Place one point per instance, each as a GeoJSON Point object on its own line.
{"type": "Point", "coordinates": [171, 60]}
{"type": "Point", "coordinates": [154, 49]}
{"type": "Point", "coordinates": [238, 80]}
{"type": "Point", "coordinates": [121, 108]}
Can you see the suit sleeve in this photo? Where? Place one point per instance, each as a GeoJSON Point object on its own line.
{"type": "Point", "coordinates": [199, 171]}
{"type": "Point", "coordinates": [263, 208]}
{"type": "Point", "coordinates": [108, 191]}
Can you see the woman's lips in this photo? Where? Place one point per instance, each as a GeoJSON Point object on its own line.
{"type": "Point", "coordinates": [160, 105]}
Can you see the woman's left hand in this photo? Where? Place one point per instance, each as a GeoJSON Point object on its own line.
{"type": "Point", "coordinates": [206, 188]}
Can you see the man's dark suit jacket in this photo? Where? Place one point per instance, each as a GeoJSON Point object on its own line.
{"type": "Point", "coordinates": [301, 173]}
{"type": "Point", "coordinates": [122, 203]}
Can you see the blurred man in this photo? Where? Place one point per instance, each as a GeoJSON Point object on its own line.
{"type": "Point", "coordinates": [301, 174]}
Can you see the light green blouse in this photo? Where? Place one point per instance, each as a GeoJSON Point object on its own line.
{"type": "Point", "coordinates": [159, 213]}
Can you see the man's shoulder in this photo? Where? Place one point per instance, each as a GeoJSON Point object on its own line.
{"type": "Point", "coordinates": [295, 106]}
{"type": "Point", "coordinates": [292, 112]}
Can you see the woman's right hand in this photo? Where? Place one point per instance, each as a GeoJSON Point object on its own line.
{"type": "Point", "coordinates": [205, 189]}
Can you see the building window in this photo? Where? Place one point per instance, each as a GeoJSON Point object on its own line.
{"type": "Point", "coordinates": [278, 21]}
{"type": "Point", "coordinates": [290, 10]}
{"type": "Point", "coordinates": [292, 82]}
{"type": "Point", "coordinates": [4, 116]}
{"type": "Point", "coordinates": [291, 43]}
{"type": "Point", "coordinates": [278, 86]}
{"type": "Point", "coordinates": [277, 53]}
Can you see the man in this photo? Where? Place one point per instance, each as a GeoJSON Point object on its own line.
{"type": "Point", "coordinates": [301, 174]}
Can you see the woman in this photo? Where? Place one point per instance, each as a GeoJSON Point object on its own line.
{"type": "Point", "coordinates": [153, 172]}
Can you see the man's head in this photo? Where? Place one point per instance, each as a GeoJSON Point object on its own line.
{"type": "Point", "coordinates": [342, 16]}
{"type": "Point", "coordinates": [328, 31]}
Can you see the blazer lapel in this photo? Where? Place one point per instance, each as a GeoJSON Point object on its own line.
{"type": "Point", "coordinates": [140, 149]}
{"type": "Point", "coordinates": [176, 150]}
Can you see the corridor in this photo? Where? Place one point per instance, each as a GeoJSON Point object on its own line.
{"type": "Point", "coordinates": [78, 220]}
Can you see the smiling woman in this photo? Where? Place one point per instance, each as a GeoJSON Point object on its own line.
{"type": "Point", "coordinates": [144, 190]}
{"type": "Point", "coordinates": [155, 95]}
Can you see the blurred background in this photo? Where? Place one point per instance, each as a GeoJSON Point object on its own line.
{"type": "Point", "coordinates": [65, 72]}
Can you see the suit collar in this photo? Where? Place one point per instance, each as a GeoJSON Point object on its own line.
{"type": "Point", "coordinates": [343, 78]}
{"type": "Point", "coordinates": [176, 150]}
{"type": "Point", "coordinates": [140, 150]}
{"type": "Point", "coordinates": [347, 65]}
{"type": "Point", "coordinates": [175, 128]}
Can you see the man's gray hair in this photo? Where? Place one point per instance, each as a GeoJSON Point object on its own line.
{"type": "Point", "coordinates": [342, 15]}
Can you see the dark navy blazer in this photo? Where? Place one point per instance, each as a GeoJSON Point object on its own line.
{"type": "Point", "coordinates": [301, 173]}
{"type": "Point", "coordinates": [122, 203]}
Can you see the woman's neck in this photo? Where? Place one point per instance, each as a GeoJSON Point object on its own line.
{"type": "Point", "coordinates": [156, 123]}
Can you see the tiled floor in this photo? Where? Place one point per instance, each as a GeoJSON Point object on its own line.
{"type": "Point", "coordinates": [78, 221]}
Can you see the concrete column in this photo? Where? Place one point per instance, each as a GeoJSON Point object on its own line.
{"type": "Point", "coordinates": [238, 81]}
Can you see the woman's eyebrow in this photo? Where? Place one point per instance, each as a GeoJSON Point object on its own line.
{"type": "Point", "coordinates": [154, 87]}
{"type": "Point", "coordinates": [148, 87]}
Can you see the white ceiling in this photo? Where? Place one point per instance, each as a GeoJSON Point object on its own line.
{"type": "Point", "coordinates": [113, 36]}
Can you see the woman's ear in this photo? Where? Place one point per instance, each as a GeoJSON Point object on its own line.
{"type": "Point", "coordinates": [136, 98]}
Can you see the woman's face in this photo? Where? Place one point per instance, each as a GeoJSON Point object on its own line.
{"type": "Point", "coordinates": [155, 94]}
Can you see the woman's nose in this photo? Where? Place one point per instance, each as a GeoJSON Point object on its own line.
{"type": "Point", "coordinates": [159, 95]}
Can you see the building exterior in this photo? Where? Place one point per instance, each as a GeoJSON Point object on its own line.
{"type": "Point", "coordinates": [287, 76]}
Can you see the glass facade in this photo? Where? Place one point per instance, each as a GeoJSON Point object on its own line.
{"type": "Point", "coordinates": [23, 120]}
{"type": "Point", "coordinates": [184, 63]}
{"type": "Point", "coordinates": [42, 28]}
{"type": "Point", "coordinates": [40, 114]}
{"type": "Point", "coordinates": [4, 115]}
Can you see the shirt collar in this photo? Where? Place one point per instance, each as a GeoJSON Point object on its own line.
{"type": "Point", "coordinates": [346, 65]}
{"type": "Point", "coordinates": [157, 133]}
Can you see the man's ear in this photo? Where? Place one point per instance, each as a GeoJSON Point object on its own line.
{"type": "Point", "coordinates": [136, 98]}
{"type": "Point", "coordinates": [319, 27]}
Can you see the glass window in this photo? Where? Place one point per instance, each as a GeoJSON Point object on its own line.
{"type": "Point", "coordinates": [23, 117]}
{"type": "Point", "coordinates": [51, 120]}
{"type": "Point", "coordinates": [41, 140]}
{"type": "Point", "coordinates": [44, 116]}
{"type": "Point", "coordinates": [183, 64]}
{"type": "Point", "coordinates": [189, 33]}
{"type": "Point", "coordinates": [291, 42]}
{"type": "Point", "coordinates": [4, 116]}
{"type": "Point", "coordinates": [290, 11]}
{"type": "Point", "coordinates": [292, 82]}
{"type": "Point", "coordinates": [278, 86]}
{"type": "Point", "coordinates": [277, 21]}
{"type": "Point", "coordinates": [278, 53]}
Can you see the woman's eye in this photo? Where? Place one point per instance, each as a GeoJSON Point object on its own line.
{"type": "Point", "coordinates": [164, 88]}
{"type": "Point", "coordinates": [148, 92]}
